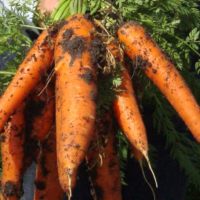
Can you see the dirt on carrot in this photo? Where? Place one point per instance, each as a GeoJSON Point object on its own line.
{"type": "Point", "coordinates": [76, 76]}
{"type": "Point", "coordinates": [38, 60]}
{"type": "Point", "coordinates": [146, 54]}
{"type": "Point", "coordinates": [103, 163]}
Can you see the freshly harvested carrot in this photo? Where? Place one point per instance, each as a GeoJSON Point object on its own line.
{"type": "Point", "coordinates": [47, 184]}
{"type": "Point", "coordinates": [40, 116]}
{"type": "Point", "coordinates": [43, 121]}
{"type": "Point", "coordinates": [127, 112]}
{"type": "Point", "coordinates": [103, 162]}
{"type": "Point", "coordinates": [126, 109]}
{"type": "Point", "coordinates": [34, 66]}
{"type": "Point", "coordinates": [75, 55]}
{"type": "Point", "coordinates": [12, 152]}
{"type": "Point", "coordinates": [140, 47]}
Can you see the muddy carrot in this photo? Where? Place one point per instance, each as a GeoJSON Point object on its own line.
{"type": "Point", "coordinates": [126, 109]}
{"type": "Point", "coordinates": [34, 66]}
{"type": "Point", "coordinates": [40, 116]}
{"type": "Point", "coordinates": [47, 184]}
{"type": "Point", "coordinates": [75, 57]}
{"type": "Point", "coordinates": [103, 162]}
{"type": "Point", "coordinates": [12, 152]}
{"type": "Point", "coordinates": [140, 47]}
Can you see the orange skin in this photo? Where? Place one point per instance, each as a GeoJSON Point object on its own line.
{"type": "Point", "coordinates": [39, 123]}
{"type": "Point", "coordinates": [126, 109]}
{"type": "Point", "coordinates": [47, 184]}
{"type": "Point", "coordinates": [141, 48]}
{"type": "Point", "coordinates": [43, 122]}
{"type": "Point", "coordinates": [137, 154]}
{"type": "Point", "coordinates": [12, 152]}
{"type": "Point", "coordinates": [77, 99]}
{"type": "Point", "coordinates": [34, 66]}
{"type": "Point", "coordinates": [105, 176]}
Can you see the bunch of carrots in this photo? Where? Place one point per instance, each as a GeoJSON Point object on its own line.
{"type": "Point", "coordinates": [48, 113]}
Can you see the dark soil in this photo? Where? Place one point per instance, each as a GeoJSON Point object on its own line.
{"type": "Point", "coordinates": [141, 63]}
{"type": "Point", "coordinates": [93, 95]}
{"type": "Point", "coordinates": [44, 169]}
{"type": "Point", "coordinates": [75, 47]}
{"type": "Point", "coordinates": [40, 185]}
{"type": "Point", "coordinates": [96, 49]}
{"type": "Point", "coordinates": [87, 76]}
{"type": "Point", "coordinates": [67, 34]}
{"type": "Point", "coordinates": [9, 189]}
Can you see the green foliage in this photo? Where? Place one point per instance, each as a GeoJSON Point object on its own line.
{"type": "Point", "coordinates": [107, 90]}
{"type": "Point", "coordinates": [11, 37]}
{"type": "Point", "coordinates": [183, 147]}
{"type": "Point", "coordinates": [173, 24]}
{"type": "Point", "coordinates": [5, 77]}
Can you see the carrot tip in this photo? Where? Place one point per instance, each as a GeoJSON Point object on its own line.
{"type": "Point", "coordinates": [69, 194]}
{"type": "Point", "coordinates": [149, 164]}
{"type": "Point", "coordinates": [154, 196]}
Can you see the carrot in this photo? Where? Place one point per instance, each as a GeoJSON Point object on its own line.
{"type": "Point", "coordinates": [12, 152]}
{"type": "Point", "coordinates": [76, 73]}
{"type": "Point", "coordinates": [143, 50]}
{"type": "Point", "coordinates": [126, 109]}
{"type": "Point", "coordinates": [127, 112]}
{"type": "Point", "coordinates": [105, 173]}
{"type": "Point", "coordinates": [40, 116]}
{"type": "Point", "coordinates": [34, 66]}
{"type": "Point", "coordinates": [47, 184]}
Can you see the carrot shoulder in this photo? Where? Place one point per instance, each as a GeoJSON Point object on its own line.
{"type": "Point", "coordinates": [34, 66]}
{"type": "Point", "coordinates": [12, 152]}
{"type": "Point", "coordinates": [143, 50]}
{"type": "Point", "coordinates": [47, 184]}
{"type": "Point", "coordinates": [76, 74]}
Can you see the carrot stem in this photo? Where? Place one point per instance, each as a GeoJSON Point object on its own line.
{"type": "Point", "coordinates": [56, 10]}
{"type": "Point", "coordinates": [96, 7]}
{"type": "Point", "coordinates": [7, 73]}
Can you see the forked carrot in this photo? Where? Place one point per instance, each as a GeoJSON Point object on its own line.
{"type": "Point", "coordinates": [76, 74]}
{"type": "Point", "coordinates": [47, 184]}
{"type": "Point", "coordinates": [12, 152]}
{"type": "Point", "coordinates": [140, 47]}
{"type": "Point", "coordinates": [34, 66]}
{"type": "Point", "coordinates": [103, 162]}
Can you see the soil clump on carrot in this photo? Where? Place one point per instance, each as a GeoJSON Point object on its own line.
{"type": "Point", "coordinates": [75, 47]}
{"type": "Point", "coordinates": [45, 171]}
{"type": "Point", "coordinates": [40, 185]}
{"type": "Point", "coordinates": [87, 76]}
{"type": "Point", "coordinates": [97, 48]}
{"type": "Point", "coordinates": [9, 189]}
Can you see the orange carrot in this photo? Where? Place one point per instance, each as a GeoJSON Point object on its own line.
{"type": "Point", "coordinates": [105, 173]}
{"type": "Point", "coordinates": [12, 152]}
{"type": "Point", "coordinates": [143, 50]}
{"type": "Point", "coordinates": [40, 114]}
{"type": "Point", "coordinates": [47, 184]}
{"type": "Point", "coordinates": [127, 112]}
{"type": "Point", "coordinates": [34, 66]}
{"type": "Point", "coordinates": [76, 71]}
